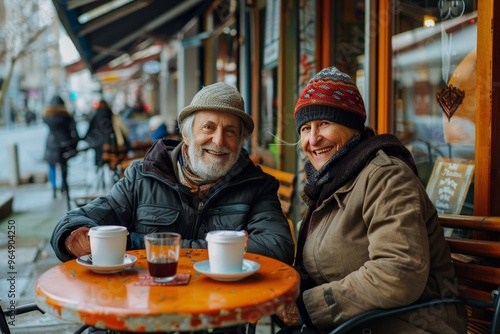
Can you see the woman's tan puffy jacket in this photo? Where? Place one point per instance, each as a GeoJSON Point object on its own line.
{"type": "Point", "coordinates": [375, 243]}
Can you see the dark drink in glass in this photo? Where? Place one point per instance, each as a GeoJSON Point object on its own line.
{"type": "Point", "coordinates": [160, 268]}
{"type": "Point", "coordinates": [162, 251]}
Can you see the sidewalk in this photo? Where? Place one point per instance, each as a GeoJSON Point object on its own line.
{"type": "Point", "coordinates": [27, 232]}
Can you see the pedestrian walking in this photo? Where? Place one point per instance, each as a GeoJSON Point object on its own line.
{"type": "Point", "coordinates": [61, 141]}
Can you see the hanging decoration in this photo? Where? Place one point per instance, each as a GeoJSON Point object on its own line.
{"type": "Point", "coordinates": [450, 97]}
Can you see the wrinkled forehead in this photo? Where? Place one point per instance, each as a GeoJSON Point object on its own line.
{"type": "Point", "coordinates": [218, 118]}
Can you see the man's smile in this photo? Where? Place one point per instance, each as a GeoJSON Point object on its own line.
{"type": "Point", "coordinates": [215, 152]}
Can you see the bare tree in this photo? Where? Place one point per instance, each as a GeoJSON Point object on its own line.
{"type": "Point", "coordinates": [22, 22]}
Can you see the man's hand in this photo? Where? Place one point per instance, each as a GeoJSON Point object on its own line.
{"type": "Point", "coordinates": [290, 315]}
{"type": "Point", "coordinates": [78, 242]}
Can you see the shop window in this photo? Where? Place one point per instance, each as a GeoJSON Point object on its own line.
{"type": "Point", "coordinates": [348, 37]}
{"type": "Point", "coordinates": [434, 48]}
{"type": "Point", "coordinates": [268, 108]}
{"type": "Point", "coordinates": [268, 137]}
{"type": "Point", "coordinates": [227, 55]}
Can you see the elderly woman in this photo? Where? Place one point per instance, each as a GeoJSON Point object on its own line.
{"type": "Point", "coordinates": [370, 238]}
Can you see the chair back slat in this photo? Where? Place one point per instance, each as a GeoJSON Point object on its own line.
{"type": "Point", "coordinates": [286, 190]}
{"type": "Point", "coordinates": [484, 248]}
{"type": "Point", "coordinates": [478, 273]}
{"type": "Point", "coordinates": [477, 223]}
{"type": "Point", "coordinates": [475, 245]}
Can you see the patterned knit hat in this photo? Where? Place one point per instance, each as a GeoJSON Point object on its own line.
{"type": "Point", "coordinates": [219, 97]}
{"type": "Point", "coordinates": [333, 96]}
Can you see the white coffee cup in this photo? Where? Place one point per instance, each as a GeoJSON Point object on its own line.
{"type": "Point", "coordinates": [108, 244]}
{"type": "Point", "coordinates": [226, 250]}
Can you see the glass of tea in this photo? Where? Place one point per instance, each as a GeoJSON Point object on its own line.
{"type": "Point", "coordinates": [162, 250]}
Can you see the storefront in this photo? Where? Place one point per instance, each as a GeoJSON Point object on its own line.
{"type": "Point", "coordinates": [426, 71]}
{"type": "Point", "coordinates": [420, 72]}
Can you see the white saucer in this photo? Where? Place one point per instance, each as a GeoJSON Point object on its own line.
{"type": "Point", "coordinates": [249, 267]}
{"type": "Point", "coordinates": [128, 261]}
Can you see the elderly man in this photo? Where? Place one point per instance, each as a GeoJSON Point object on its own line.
{"type": "Point", "coordinates": [206, 182]}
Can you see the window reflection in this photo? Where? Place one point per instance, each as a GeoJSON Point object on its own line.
{"type": "Point", "coordinates": [434, 80]}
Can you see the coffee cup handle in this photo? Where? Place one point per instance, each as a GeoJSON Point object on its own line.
{"type": "Point", "coordinates": [246, 241]}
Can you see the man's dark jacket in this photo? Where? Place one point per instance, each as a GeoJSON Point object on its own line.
{"type": "Point", "coordinates": [150, 198]}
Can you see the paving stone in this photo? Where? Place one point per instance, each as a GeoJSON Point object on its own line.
{"type": "Point", "coordinates": [38, 323]}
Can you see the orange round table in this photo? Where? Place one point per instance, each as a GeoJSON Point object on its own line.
{"type": "Point", "coordinates": [115, 301]}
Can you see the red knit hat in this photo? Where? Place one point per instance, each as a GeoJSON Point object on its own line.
{"type": "Point", "coordinates": [333, 96]}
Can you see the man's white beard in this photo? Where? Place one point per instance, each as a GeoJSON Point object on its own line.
{"type": "Point", "coordinates": [210, 170]}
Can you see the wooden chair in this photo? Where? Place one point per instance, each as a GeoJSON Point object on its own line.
{"type": "Point", "coordinates": [477, 263]}
{"type": "Point", "coordinates": [113, 156]}
{"type": "Point", "coordinates": [255, 159]}
{"type": "Point", "coordinates": [286, 191]}
{"type": "Point", "coordinates": [119, 159]}
{"type": "Point", "coordinates": [138, 150]}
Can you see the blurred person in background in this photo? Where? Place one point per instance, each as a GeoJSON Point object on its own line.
{"type": "Point", "coordinates": [157, 127]}
{"type": "Point", "coordinates": [106, 128]}
{"type": "Point", "coordinates": [30, 117]}
{"type": "Point", "coordinates": [61, 141]}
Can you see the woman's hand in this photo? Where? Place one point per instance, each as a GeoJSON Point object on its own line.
{"type": "Point", "coordinates": [78, 242]}
{"type": "Point", "coordinates": [290, 315]}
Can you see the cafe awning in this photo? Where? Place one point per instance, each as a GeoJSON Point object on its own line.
{"type": "Point", "coordinates": [108, 30]}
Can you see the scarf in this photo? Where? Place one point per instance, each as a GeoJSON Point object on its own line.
{"type": "Point", "coordinates": [347, 162]}
{"type": "Point", "coordinates": [196, 184]}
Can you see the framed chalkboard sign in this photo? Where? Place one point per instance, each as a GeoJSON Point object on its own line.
{"type": "Point", "coordinates": [449, 182]}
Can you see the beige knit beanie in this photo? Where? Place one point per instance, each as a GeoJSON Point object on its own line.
{"type": "Point", "coordinates": [219, 97]}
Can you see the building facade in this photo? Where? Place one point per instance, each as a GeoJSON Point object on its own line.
{"type": "Point", "coordinates": [425, 69]}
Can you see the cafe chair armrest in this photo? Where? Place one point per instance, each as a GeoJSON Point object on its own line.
{"type": "Point", "coordinates": [27, 308]}
{"type": "Point", "coordinates": [376, 314]}
{"type": "Point", "coordinates": [4, 326]}
{"type": "Point", "coordinates": [81, 329]}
